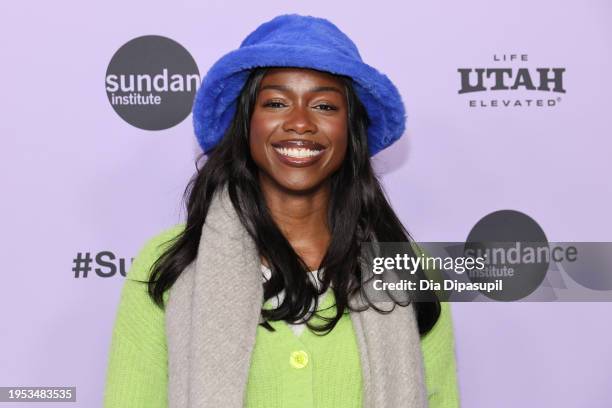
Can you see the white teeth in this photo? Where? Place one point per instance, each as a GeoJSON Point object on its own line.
{"type": "Point", "coordinates": [299, 153]}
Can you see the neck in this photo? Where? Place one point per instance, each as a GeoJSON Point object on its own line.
{"type": "Point", "coordinates": [302, 218]}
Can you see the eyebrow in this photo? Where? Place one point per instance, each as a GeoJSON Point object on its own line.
{"type": "Point", "coordinates": [315, 89]}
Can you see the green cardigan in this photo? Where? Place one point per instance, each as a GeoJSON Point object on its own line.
{"type": "Point", "coordinates": [137, 362]}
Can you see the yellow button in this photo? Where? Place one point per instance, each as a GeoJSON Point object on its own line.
{"type": "Point", "coordinates": [298, 359]}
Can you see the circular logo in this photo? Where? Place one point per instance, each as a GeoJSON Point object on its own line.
{"type": "Point", "coordinates": [151, 82]}
{"type": "Point", "coordinates": [515, 250]}
{"type": "Point", "coordinates": [591, 265]}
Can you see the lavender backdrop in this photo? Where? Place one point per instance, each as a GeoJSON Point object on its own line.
{"type": "Point", "coordinates": [78, 178]}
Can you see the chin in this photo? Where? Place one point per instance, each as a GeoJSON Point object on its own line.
{"type": "Point", "coordinates": [299, 187]}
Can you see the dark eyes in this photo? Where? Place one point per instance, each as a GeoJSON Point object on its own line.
{"type": "Point", "coordinates": [274, 104]}
{"type": "Point", "coordinates": [327, 107]}
{"type": "Point", "coordinates": [321, 106]}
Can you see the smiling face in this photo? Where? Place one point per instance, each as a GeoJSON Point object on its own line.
{"type": "Point", "coordinates": [299, 131]}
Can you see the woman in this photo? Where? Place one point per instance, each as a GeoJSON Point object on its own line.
{"type": "Point", "coordinates": [255, 301]}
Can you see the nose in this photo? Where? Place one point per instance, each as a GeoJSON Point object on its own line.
{"type": "Point", "coordinates": [299, 120]}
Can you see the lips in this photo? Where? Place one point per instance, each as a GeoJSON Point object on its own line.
{"type": "Point", "coordinates": [298, 152]}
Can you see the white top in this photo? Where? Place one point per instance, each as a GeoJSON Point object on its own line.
{"type": "Point", "coordinates": [275, 301]}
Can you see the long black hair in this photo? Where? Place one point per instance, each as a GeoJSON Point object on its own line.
{"type": "Point", "coordinates": [358, 211]}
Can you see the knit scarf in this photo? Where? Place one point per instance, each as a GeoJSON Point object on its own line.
{"type": "Point", "coordinates": [212, 314]}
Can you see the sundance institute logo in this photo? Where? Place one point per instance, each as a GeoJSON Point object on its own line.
{"type": "Point", "coordinates": [151, 82]}
{"type": "Point", "coordinates": [515, 83]}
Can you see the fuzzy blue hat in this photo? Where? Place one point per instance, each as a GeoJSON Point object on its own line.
{"type": "Point", "coordinates": [293, 40]}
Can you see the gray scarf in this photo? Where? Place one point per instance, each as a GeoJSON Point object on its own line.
{"type": "Point", "coordinates": [212, 315]}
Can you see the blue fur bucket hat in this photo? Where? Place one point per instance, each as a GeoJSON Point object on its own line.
{"type": "Point", "coordinates": [293, 40]}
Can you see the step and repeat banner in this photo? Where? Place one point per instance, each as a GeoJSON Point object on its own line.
{"type": "Point", "coordinates": [508, 129]}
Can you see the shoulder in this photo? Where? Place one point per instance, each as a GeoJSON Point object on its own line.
{"type": "Point", "coordinates": [151, 250]}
